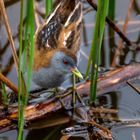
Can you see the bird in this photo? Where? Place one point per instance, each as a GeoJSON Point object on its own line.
{"type": "Point", "coordinates": [57, 42]}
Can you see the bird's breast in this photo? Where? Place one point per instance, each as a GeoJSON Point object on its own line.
{"type": "Point", "coordinates": [48, 79]}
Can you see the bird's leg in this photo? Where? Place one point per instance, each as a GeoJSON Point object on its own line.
{"type": "Point", "coordinates": [40, 92]}
{"type": "Point", "coordinates": [40, 95]}
{"type": "Point", "coordinates": [76, 94]}
{"type": "Point", "coordinates": [72, 90]}
{"type": "Point", "coordinates": [59, 97]}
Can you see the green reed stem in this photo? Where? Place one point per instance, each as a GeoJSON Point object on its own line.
{"type": "Point", "coordinates": [23, 51]}
{"type": "Point", "coordinates": [111, 9]}
{"type": "Point", "coordinates": [20, 117]}
{"type": "Point", "coordinates": [29, 39]}
{"type": "Point", "coordinates": [49, 5]}
{"type": "Point", "coordinates": [4, 94]}
{"type": "Point", "coordinates": [94, 58]}
{"type": "Point", "coordinates": [111, 15]}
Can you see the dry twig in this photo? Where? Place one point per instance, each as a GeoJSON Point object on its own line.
{"type": "Point", "coordinates": [8, 83]}
{"type": "Point", "coordinates": [111, 23]}
{"type": "Point", "coordinates": [5, 17]}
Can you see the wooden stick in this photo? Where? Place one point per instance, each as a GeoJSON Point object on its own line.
{"type": "Point", "coordinates": [120, 45]}
{"type": "Point", "coordinates": [109, 82]}
{"type": "Point", "coordinates": [8, 83]}
{"type": "Point", "coordinates": [5, 17]}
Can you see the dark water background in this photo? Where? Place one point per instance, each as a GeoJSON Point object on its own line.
{"type": "Point", "coordinates": [125, 99]}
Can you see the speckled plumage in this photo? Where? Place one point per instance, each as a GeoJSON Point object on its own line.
{"type": "Point", "coordinates": [62, 28]}
{"type": "Point", "coordinates": [57, 40]}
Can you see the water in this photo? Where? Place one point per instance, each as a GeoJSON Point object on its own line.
{"type": "Point", "coordinates": [125, 99]}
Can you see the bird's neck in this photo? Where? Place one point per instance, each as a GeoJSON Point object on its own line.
{"type": "Point", "coordinates": [41, 59]}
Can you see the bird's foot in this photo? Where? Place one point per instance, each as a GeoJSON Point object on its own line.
{"type": "Point", "coordinates": [40, 95]}
{"type": "Point", "coordinates": [55, 91]}
{"type": "Point", "coordinates": [74, 95]}
{"type": "Point", "coordinates": [60, 96]}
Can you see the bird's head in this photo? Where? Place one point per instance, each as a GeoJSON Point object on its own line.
{"type": "Point", "coordinates": [65, 62]}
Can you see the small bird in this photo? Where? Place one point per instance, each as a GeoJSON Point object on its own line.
{"type": "Point", "coordinates": [57, 42]}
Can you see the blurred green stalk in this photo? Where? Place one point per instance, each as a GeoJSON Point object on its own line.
{"type": "Point", "coordinates": [20, 82]}
{"type": "Point", "coordinates": [29, 39]}
{"type": "Point", "coordinates": [4, 94]}
{"type": "Point", "coordinates": [111, 9]}
{"type": "Point", "coordinates": [111, 15]}
{"type": "Point", "coordinates": [94, 57]}
{"type": "Point", "coordinates": [48, 6]}
{"type": "Point", "coordinates": [28, 49]}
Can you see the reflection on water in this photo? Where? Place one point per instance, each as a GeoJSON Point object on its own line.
{"type": "Point", "coordinates": [126, 100]}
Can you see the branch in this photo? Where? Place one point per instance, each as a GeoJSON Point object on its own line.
{"type": "Point", "coordinates": [111, 23]}
{"type": "Point", "coordinates": [111, 81]}
{"type": "Point", "coordinates": [8, 83]}
{"type": "Point", "coordinates": [9, 32]}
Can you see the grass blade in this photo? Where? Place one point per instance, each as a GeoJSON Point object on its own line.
{"type": "Point", "coordinates": [29, 34]}
{"type": "Point", "coordinates": [4, 94]}
{"type": "Point", "coordinates": [48, 6]}
{"type": "Point", "coordinates": [28, 49]}
{"type": "Point", "coordinates": [111, 32]}
{"type": "Point", "coordinates": [94, 58]}
{"type": "Point", "coordinates": [20, 106]}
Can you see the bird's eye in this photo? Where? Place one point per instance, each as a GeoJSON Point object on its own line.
{"type": "Point", "coordinates": [65, 62]}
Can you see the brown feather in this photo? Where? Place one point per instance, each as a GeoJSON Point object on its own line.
{"type": "Point", "coordinates": [42, 59]}
{"type": "Point", "coordinates": [60, 32]}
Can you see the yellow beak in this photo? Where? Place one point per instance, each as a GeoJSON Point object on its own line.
{"type": "Point", "coordinates": [76, 72]}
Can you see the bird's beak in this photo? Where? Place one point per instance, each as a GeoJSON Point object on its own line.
{"type": "Point", "coordinates": [76, 72]}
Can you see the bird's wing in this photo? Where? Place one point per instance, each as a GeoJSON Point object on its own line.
{"type": "Point", "coordinates": [71, 33]}
{"type": "Point", "coordinates": [46, 35]}
{"type": "Point", "coordinates": [62, 27]}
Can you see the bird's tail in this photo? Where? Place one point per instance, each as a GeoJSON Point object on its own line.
{"type": "Point", "coordinates": [72, 10]}
{"type": "Point", "coordinates": [67, 11]}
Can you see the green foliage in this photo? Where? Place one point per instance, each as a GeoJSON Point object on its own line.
{"type": "Point", "coordinates": [29, 39]}
{"type": "Point", "coordinates": [23, 51]}
{"type": "Point", "coordinates": [111, 9]}
{"type": "Point", "coordinates": [94, 57]}
{"type": "Point", "coordinates": [48, 6]}
{"type": "Point", "coordinates": [111, 15]}
{"type": "Point", "coordinates": [4, 94]}
{"type": "Point", "coordinates": [20, 80]}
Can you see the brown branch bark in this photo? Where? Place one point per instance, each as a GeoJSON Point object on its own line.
{"type": "Point", "coordinates": [125, 26]}
{"type": "Point", "coordinates": [9, 32]}
{"type": "Point", "coordinates": [107, 83]}
{"type": "Point", "coordinates": [8, 83]}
